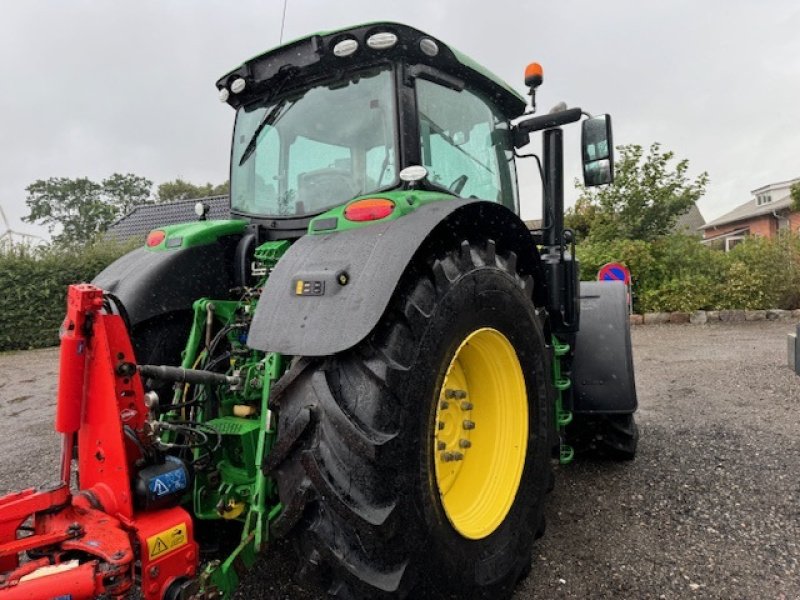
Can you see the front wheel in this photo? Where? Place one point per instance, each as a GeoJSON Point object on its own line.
{"type": "Point", "coordinates": [417, 462]}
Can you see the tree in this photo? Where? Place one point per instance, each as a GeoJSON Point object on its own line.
{"type": "Point", "coordinates": [183, 190]}
{"type": "Point", "coordinates": [81, 208]}
{"type": "Point", "coordinates": [580, 217]}
{"type": "Point", "coordinates": [647, 197]}
{"type": "Point", "coordinates": [126, 192]}
{"type": "Point", "coordinates": [75, 205]}
{"type": "Point", "coordinates": [795, 193]}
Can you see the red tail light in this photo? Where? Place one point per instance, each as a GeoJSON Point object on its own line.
{"type": "Point", "coordinates": [155, 237]}
{"type": "Point", "coordinates": [369, 209]}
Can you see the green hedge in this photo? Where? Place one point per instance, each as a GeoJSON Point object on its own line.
{"type": "Point", "coordinates": [677, 273]}
{"type": "Point", "coordinates": [674, 273]}
{"type": "Point", "coordinates": [33, 286]}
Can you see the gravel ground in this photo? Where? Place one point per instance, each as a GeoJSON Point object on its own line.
{"type": "Point", "coordinates": [709, 509]}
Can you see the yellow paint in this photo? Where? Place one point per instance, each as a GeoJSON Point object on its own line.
{"type": "Point", "coordinates": [233, 509]}
{"type": "Point", "coordinates": [243, 410]}
{"type": "Point", "coordinates": [481, 433]}
{"type": "Point", "coordinates": [298, 287]}
{"type": "Point", "coordinates": [167, 541]}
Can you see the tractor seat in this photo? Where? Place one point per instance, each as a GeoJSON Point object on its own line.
{"type": "Point", "coordinates": [324, 188]}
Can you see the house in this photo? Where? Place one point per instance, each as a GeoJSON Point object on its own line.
{"type": "Point", "coordinates": [765, 214]}
{"type": "Point", "coordinates": [143, 219]}
{"type": "Point", "coordinates": [688, 223]}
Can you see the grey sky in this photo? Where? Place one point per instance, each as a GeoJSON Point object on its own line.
{"type": "Point", "coordinates": [93, 88]}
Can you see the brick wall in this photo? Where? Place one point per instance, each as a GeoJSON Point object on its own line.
{"type": "Point", "coordinates": [763, 225]}
{"type": "Point", "coordinates": [794, 221]}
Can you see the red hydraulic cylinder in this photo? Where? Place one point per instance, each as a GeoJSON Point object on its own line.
{"type": "Point", "coordinates": [81, 300]}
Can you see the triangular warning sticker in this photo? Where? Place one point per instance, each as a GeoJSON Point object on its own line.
{"type": "Point", "coordinates": [168, 540]}
{"type": "Point", "coordinates": [158, 548]}
{"type": "Point", "coordinates": [160, 488]}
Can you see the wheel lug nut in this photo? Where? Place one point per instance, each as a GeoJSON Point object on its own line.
{"type": "Point", "coordinates": [440, 425]}
{"type": "Point", "coordinates": [466, 405]}
{"type": "Point", "coordinates": [451, 456]}
{"type": "Point", "coordinates": [464, 443]}
{"type": "Point", "coordinates": [444, 405]}
{"type": "Point", "coordinates": [468, 424]}
{"type": "Point", "coordinates": [455, 394]}
{"type": "Point", "coordinates": [441, 445]}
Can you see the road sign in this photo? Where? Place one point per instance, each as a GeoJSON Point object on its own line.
{"type": "Point", "coordinates": [614, 272]}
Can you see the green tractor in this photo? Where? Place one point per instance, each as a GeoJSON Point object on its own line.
{"type": "Point", "coordinates": [375, 357]}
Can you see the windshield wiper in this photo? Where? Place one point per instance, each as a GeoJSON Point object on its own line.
{"type": "Point", "coordinates": [436, 128]}
{"type": "Point", "coordinates": [270, 118]}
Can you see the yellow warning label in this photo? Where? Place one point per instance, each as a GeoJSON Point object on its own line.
{"type": "Point", "coordinates": [167, 541]}
{"type": "Point", "coordinates": [298, 287]}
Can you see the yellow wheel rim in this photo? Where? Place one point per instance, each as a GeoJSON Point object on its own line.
{"type": "Point", "coordinates": [481, 433]}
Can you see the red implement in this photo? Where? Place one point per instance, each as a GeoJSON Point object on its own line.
{"type": "Point", "coordinates": [56, 543]}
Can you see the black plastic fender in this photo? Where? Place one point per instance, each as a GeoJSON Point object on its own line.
{"type": "Point", "coordinates": [329, 291]}
{"type": "Point", "coordinates": [150, 283]}
{"type": "Point", "coordinates": [602, 365]}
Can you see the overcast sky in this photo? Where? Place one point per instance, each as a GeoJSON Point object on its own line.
{"type": "Point", "coordinates": [93, 88]}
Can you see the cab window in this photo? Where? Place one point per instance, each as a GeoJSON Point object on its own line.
{"type": "Point", "coordinates": [466, 144]}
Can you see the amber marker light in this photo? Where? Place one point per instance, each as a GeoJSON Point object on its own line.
{"type": "Point", "coordinates": [369, 209]}
{"type": "Point", "coordinates": [534, 75]}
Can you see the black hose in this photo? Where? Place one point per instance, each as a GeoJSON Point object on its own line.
{"type": "Point", "coordinates": [181, 375]}
{"type": "Point", "coordinates": [121, 310]}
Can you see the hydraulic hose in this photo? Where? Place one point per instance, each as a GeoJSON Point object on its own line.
{"type": "Point", "coordinates": [181, 375]}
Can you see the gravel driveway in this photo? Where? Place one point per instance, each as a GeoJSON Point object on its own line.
{"type": "Point", "coordinates": [709, 509]}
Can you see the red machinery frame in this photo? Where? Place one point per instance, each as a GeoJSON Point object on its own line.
{"type": "Point", "coordinates": [93, 541]}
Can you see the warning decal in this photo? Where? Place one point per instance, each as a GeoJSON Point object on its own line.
{"type": "Point", "coordinates": [166, 541]}
{"type": "Point", "coordinates": [168, 483]}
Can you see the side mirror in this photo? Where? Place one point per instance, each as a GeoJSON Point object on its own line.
{"type": "Point", "coordinates": [597, 151]}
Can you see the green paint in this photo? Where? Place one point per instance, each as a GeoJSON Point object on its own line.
{"type": "Point", "coordinates": [405, 201]}
{"type": "Point", "coordinates": [561, 384]}
{"type": "Point", "coordinates": [269, 253]}
{"type": "Point", "coordinates": [232, 485]}
{"type": "Point", "coordinates": [196, 233]}
{"type": "Point", "coordinates": [265, 489]}
{"type": "Point", "coordinates": [465, 60]}
{"type": "Point", "coordinates": [480, 69]}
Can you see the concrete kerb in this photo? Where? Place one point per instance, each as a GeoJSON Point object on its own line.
{"type": "Point", "coordinates": [701, 317]}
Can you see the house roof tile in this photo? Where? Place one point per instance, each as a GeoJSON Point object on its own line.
{"type": "Point", "coordinates": [143, 219]}
{"type": "Point", "coordinates": [748, 210]}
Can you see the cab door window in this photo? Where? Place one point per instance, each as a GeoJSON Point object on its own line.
{"type": "Point", "coordinates": [466, 144]}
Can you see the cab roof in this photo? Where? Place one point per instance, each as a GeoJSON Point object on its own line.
{"type": "Point", "coordinates": [312, 57]}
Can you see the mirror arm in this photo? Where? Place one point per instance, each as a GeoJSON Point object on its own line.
{"type": "Point", "coordinates": [550, 120]}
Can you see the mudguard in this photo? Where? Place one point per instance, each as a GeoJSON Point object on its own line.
{"type": "Point", "coordinates": [156, 283]}
{"type": "Point", "coordinates": [602, 366]}
{"type": "Point", "coordinates": [328, 291]}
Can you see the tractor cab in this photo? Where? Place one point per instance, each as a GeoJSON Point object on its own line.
{"type": "Point", "coordinates": [339, 116]}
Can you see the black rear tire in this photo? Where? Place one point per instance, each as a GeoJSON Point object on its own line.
{"type": "Point", "coordinates": [354, 455]}
{"type": "Point", "coordinates": [160, 341]}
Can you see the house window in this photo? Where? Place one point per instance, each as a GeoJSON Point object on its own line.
{"type": "Point", "coordinates": [732, 241]}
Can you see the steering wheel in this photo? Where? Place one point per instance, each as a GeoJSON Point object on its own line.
{"type": "Point", "coordinates": [458, 184]}
{"type": "Point", "coordinates": [323, 188]}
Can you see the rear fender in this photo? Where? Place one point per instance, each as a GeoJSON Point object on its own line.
{"type": "Point", "coordinates": [152, 284]}
{"type": "Point", "coordinates": [329, 291]}
{"type": "Point", "coordinates": [602, 366]}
